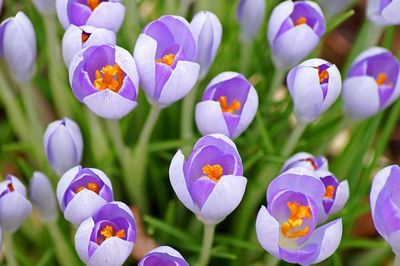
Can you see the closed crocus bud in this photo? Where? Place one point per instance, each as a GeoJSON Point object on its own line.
{"type": "Point", "coordinates": [288, 230]}
{"type": "Point", "coordinates": [165, 54]}
{"type": "Point", "coordinates": [384, 12]}
{"type": "Point", "coordinates": [228, 106]}
{"type": "Point", "coordinates": [14, 206]}
{"type": "Point", "coordinates": [373, 78]}
{"type": "Point", "coordinates": [333, 7]}
{"type": "Point", "coordinates": [251, 15]}
{"type": "Point", "coordinates": [105, 14]}
{"type": "Point", "coordinates": [46, 7]}
{"type": "Point", "coordinates": [43, 197]}
{"type": "Point", "coordinates": [81, 192]}
{"type": "Point", "coordinates": [294, 30]}
{"type": "Point", "coordinates": [18, 46]}
{"type": "Point", "coordinates": [77, 38]}
{"type": "Point", "coordinates": [107, 238]}
{"type": "Point", "coordinates": [306, 160]}
{"type": "Point", "coordinates": [207, 32]}
{"type": "Point", "coordinates": [210, 183]}
{"type": "Point", "coordinates": [105, 79]}
{"type": "Point", "coordinates": [63, 145]}
{"type": "Point", "coordinates": [314, 86]}
{"type": "Point", "coordinates": [163, 255]}
{"type": "Point", "coordinates": [384, 200]}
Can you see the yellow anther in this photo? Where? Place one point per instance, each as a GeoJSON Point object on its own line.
{"type": "Point", "coordinates": [297, 214]}
{"type": "Point", "coordinates": [167, 59]}
{"type": "Point", "coordinates": [311, 161]}
{"type": "Point", "coordinates": [91, 186]}
{"type": "Point", "coordinates": [228, 108]}
{"type": "Point", "coordinates": [214, 172]}
{"type": "Point", "coordinates": [108, 231]}
{"type": "Point", "coordinates": [329, 192]}
{"type": "Point", "coordinates": [300, 21]}
{"type": "Point", "coordinates": [85, 36]}
{"type": "Point", "coordinates": [109, 77]}
{"type": "Point", "coordinates": [93, 4]}
{"type": "Point", "coordinates": [383, 79]}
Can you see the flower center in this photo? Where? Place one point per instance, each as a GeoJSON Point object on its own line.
{"type": "Point", "coordinates": [300, 21]}
{"type": "Point", "coordinates": [297, 214]}
{"type": "Point", "coordinates": [109, 77]}
{"type": "Point", "coordinates": [10, 187]}
{"type": "Point", "coordinates": [93, 4]}
{"type": "Point", "coordinates": [329, 192]}
{"type": "Point", "coordinates": [167, 59]}
{"type": "Point", "coordinates": [228, 108]}
{"type": "Point", "coordinates": [323, 75]}
{"type": "Point", "coordinates": [108, 231]}
{"type": "Point", "coordinates": [311, 161]}
{"type": "Point", "coordinates": [85, 37]}
{"type": "Point", "coordinates": [91, 186]}
{"type": "Point", "coordinates": [383, 79]}
{"type": "Point", "coordinates": [214, 172]}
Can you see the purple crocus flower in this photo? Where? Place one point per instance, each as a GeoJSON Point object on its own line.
{"type": "Point", "coordinates": [384, 199]}
{"type": "Point", "coordinates": [82, 191]}
{"type": "Point", "coordinates": [314, 86]}
{"type": "Point", "coordinates": [163, 256]}
{"type": "Point", "coordinates": [251, 15]}
{"type": "Point", "coordinates": [18, 46]}
{"type": "Point", "coordinates": [294, 30]}
{"type": "Point", "coordinates": [210, 183]}
{"type": "Point", "coordinates": [77, 38]}
{"type": "Point", "coordinates": [228, 106]}
{"type": "Point", "coordinates": [384, 12]}
{"type": "Point", "coordinates": [43, 197]}
{"type": "Point", "coordinates": [165, 54]}
{"type": "Point", "coordinates": [373, 78]}
{"type": "Point", "coordinates": [207, 32]}
{"type": "Point", "coordinates": [14, 206]}
{"type": "Point", "coordinates": [63, 145]}
{"type": "Point", "coordinates": [45, 7]}
{"type": "Point", "coordinates": [306, 160]}
{"type": "Point", "coordinates": [107, 238]}
{"type": "Point", "coordinates": [288, 229]}
{"type": "Point", "coordinates": [331, 8]}
{"type": "Point", "coordinates": [105, 79]}
{"type": "Point", "coordinates": [105, 14]}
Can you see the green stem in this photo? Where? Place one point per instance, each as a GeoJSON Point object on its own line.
{"type": "Point", "coordinates": [98, 140]}
{"type": "Point", "coordinates": [396, 261]}
{"type": "Point", "coordinates": [63, 252]}
{"type": "Point", "coordinates": [136, 184]}
{"type": "Point", "coordinates": [187, 116]}
{"type": "Point", "coordinates": [132, 22]}
{"type": "Point", "coordinates": [245, 56]}
{"type": "Point", "coordinates": [116, 138]}
{"type": "Point", "coordinates": [208, 238]}
{"type": "Point", "coordinates": [293, 139]}
{"type": "Point", "coordinates": [57, 73]}
{"type": "Point", "coordinates": [276, 82]}
{"type": "Point", "coordinates": [9, 250]}
{"type": "Point", "coordinates": [28, 98]}
{"type": "Point", "coordinates": [184, 7]}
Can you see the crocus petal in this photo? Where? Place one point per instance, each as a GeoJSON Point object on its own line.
{"type": "Point", "coordinates": [14, 209]}
{"type": "Point", "coordinates": [225, 197]}
{"type": "Point", "coordinates": [112, 252]}
{"type": "Point", "coordinates": [168, 250]}
{"type": "Point", "coordinates": [280, 13]}
{"type": "Point", "coordinates": [125, 60]}
{"type": "Point", "coordinates": [210, 119]}
{"type": "Point", "coordinates": [342, 195]}
{"type": "Point", "coordinates": [391, 12]}
{"type": "Point", "coordinates": [334, 87]}
{"type": "Point", "coordinates": [61, 8]}
{"type": "Point", "coordinates": [249, 112]}
{"type": "Point", "coordinates": [108, 15]}
{"type": "Point", "coordinates": [222, 77]}
{"type": "Point", "coordinates": [394, 241]}
{"type": "Point", "coordinates": [82, 238]}
{"type": "Point", "coordinates": [251, 15]}
{"type": "Point", "coordinates": [267, 228]}
{"type": "Point", "coordinates": [42, 195]}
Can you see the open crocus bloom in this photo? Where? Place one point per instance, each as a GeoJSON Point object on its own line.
{"type": "Point", "coordinates": [210, 182]}
{"type": "Point", "coordinates": [384, 199]}
{"type": "Point", "coordinates": [314, 86]}
{"type": "Point", "coordinates": [228, 106]}
{"type": "Point", "coordinates": [105, 14]}
{"type": "Point", "coordinates": [107, 238]}
{"type": "Point", "coordinates": [294, 30]}
{"type": "Point", "coordinates": [14, 206]}
{"type": "Point", "coordinates": [105, 79]}
{"type": "Point", "coordinates": [163, 256]}
{"type": "Point", "coordinates": [373, 78]}
{"type": "Point", "coordinates": [165, 54]}
{"type": "Point", "coordinates": [82, 191]}
{"type": "Point", "coordinates": [306, 160]}
{"type": "Point", "coordinates": [384, 12]}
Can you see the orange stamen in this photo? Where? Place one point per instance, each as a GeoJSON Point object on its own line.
{"type": "Point", "coordinates": [234, 106]}
{"type": "Point", "coordinates": [109, 77]}
{"type": "Point", "coordinates": [300, 21]}
{"type": "Point", "coordinates": [93, 4]}
{"type": "Point", "coordinates": [10, 187]}
{"type": "Point", "coordinates": [383, 79]}
{"type": "Point", "coordinates": [311, 161]}
{"type": "Point", "coordinates": [297, 214]}
{"type": "Point", "coordinates": [329, 192]}
{"type": "Point", "coordinates": [167, 59]}
{"type": "Point", "coordinates": [85, 37]}
{"type": "Point", "coordinates": [108, 232]}
{"type": "Point", "coordinates": [91, 186]}
{"type": "Point", "coordinates": [214, 172]}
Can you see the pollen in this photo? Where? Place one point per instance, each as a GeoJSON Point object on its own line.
{"type": "Point", "coordinates": [300, 21]}
{"type": "Point", "coordinates": [10, 187]}
{"type": "Point", "coordinates": [311, 161]}
{"type": "Point", "coordinates": [109, 77]}
{"type": "Point", "coordinates": [85, 37]}
{"type": "Point", "coordinates": [91, 186]}
{"type": "Point", "coordinates": [108, 231]}
{"type": "Point", "coordinates": [93, 4]}
{"type": "Point", "coordinates": [383, 79]}
{"type": "Point", "coordinates": [297, 214]}
{"type": "Point", "coordinates": [167, 59]}
{"type": "Point", "coordinates": [329, 192]}
{"type": "Point", "coordinates": [322, 75]}
{"type": "Point", "coordinates": [214, 172]}
{"type": "Point", "coordinates": [228, 108]}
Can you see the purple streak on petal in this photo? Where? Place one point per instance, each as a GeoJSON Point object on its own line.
{"type": "Point", "coordinates": [2, 28]}
{"type": "Point", "coordinates": [97, 58]}
{"type": "Point", "coordinates": [78, 13]}
{"type": "Point", "coordinates": [127, 89]}
{"type": "Point", "coordinates": [201, 189]}
{"type": "Point", "coordinates": [163, 73]}
{"type": "Point", "coordinates": [384, 3]}
{"type": "Point", "coordinates": [286, 25]}
{"type": "Point", "coordinates": [162, 259]}
{"type": "Point", "coordinates": [301, 256]}
{"type": "Point", "coordinates": [232, 121]}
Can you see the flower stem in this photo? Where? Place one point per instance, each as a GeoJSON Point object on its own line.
{"type": "Point", "coordinates": [9, 250]}
{"type": "Point", "coordinates": [116, 138]}
{"type": "Point", "coordinates": [396, 261]}
{"type": "Point", "coordinates": [28, 98]}
{"type": "Point", "coordinates": [63, 252]}
{"type": "Point", "coordinates": [187, 116]}
{"type": "Point", "coordinates": [275, 83]}
{"type": "Point", "coordinates": [293, 139]}
{"type": "Point", "coordinates": [245, 56]}
{"type": "Point", "coordinates": [208, 238]}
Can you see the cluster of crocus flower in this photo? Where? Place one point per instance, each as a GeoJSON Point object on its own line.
{"type": "Point", "coordinates": [384, 12]}
{"type": "Point", "coordinates": [301, 198]}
